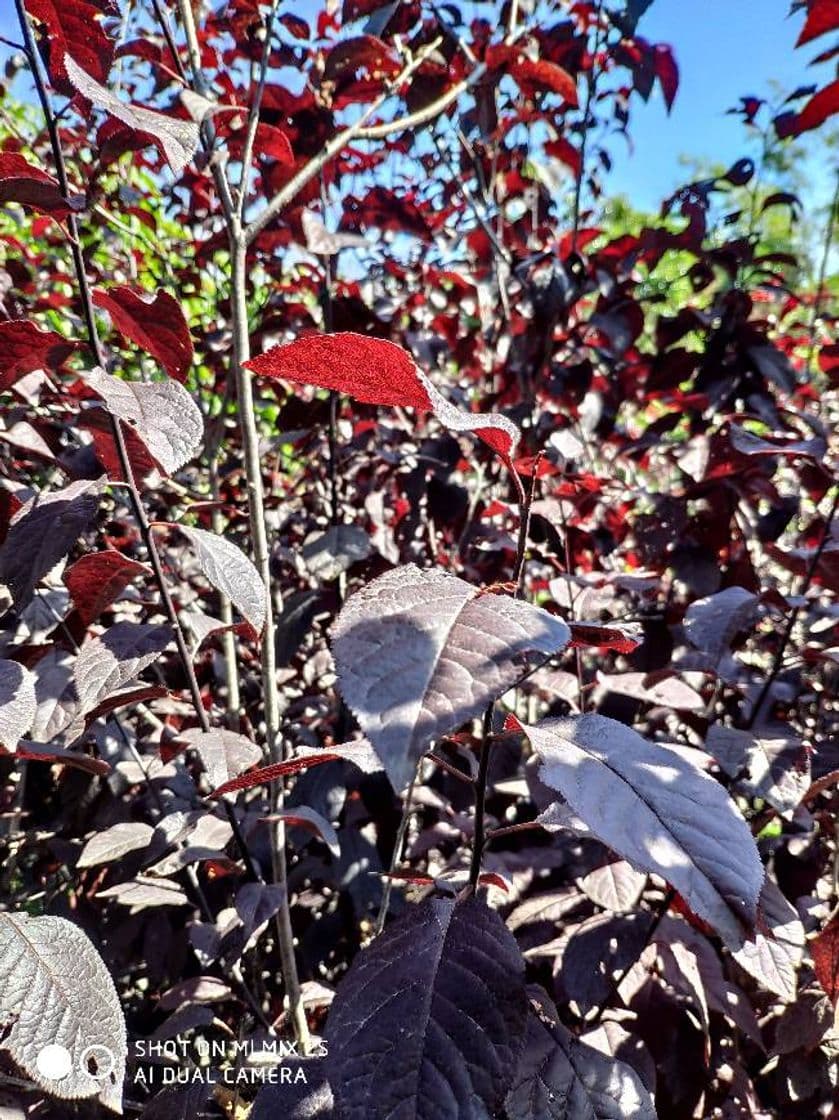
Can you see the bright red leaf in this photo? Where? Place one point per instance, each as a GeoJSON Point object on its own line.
{"type": "Point", "coordinates": [817, 110]}
{"type": "Point", "coordinates": [28, 185]}
{"type": "Point", "coordinates": [24, 347]}
{"type": "Point", "coordinates": [565, 151]}
{"type": "Point", "coordinates": [157, 325]}
{"type": "Point", "coordinates": [96, 580]}
{"type": "Point", "coordinates": [823, 16]}
{"type": "Point", "coordinates": [371, 370]}
{"type": "Point", "coordinates": [825, 950]}
{"type": "Point", "coordinates": [667, 73]}
{"type": "Point", "coordinates": [74, 28]}
{"type": "Point", "coordinates": [273, 143]}
{"type": "Point", "coordinates": [264, 775]}
{"type": "Point", "coordinates": [622, 639]}
{"type": "Point", "coordinates": [376, 371]}
{"type": "Point", "coordinates": [543, 75]}
{"type": "Point", "coordinates": [56, 755]}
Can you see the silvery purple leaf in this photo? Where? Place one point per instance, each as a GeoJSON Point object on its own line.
{"type": "Point", "coordinates": [161, 413]}
{"type": "Point", "coordinates": [110, 661]}
{"type": "Point", "coordinates": [658, 811]}
{"type": "Point", "coordinates": [617, 886]}
{"type": "Point", "coordinates": [224, 754]}
{"type": "Point", "coordinates": [773, 958]}
{"type": "Point", "coordinates": [230, 571]}
{"type": "Point", "coordinates": [776, 768]}
{"type": "Point", "coordinates": [713, 622]}
{"type": "Point", "coordinates": [115, 842]}
{"type": "Point", "coordinates": [59, 1009]}
{"type": "Point", "coordinates": [178, 138]}
{"type": "Point", "coordinates": [325, 244]}
{"type": "Point", "coordinates": [17, 702]}
{"type": "Point", "coordinates": [418, 653]}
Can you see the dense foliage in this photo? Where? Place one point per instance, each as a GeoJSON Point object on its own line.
{"type": "Point", "coordinates": [420, 574]}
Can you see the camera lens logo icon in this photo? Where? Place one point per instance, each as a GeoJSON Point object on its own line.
{"type": "Point", "coordinates": [98, 1061]}
{"type": "Point", "coordinates": [55, 1062]}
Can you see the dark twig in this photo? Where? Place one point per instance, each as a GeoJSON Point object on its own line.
{"type": "Point", "coordinates": [658, 917]}
{"type": "Point", "coordinates": [480, 800]}
{"type": "Point", "coordinates": [591, 92]}
{"type": "Point", "coordinates": [275, 746]}
{"type": "Point", "coordinates": [822, 276]}
{"type": "Point", "coordinates": [778, 659]}
{"type": "Point", "coordinates": [398, 849]}
{"type": "Point", "coordinates": [525, 502]}
{"type": "Point", "coordinates": [334, 397]}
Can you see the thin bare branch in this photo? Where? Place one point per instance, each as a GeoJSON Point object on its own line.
{"type": "Point", "coordinates": [353, 132]}
{"type": "Point", "coordinates": [256, 105]}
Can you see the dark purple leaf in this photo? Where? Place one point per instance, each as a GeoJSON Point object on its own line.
{"type": "Point", "coordinates": [42, 533]}
{"type": "Point", "coordinates": [430, 1019]}
{"type": "Point", "coordinates": [305, 1098]}
{"type": "Point", "coordinates": [31, 187]}
{"type": "Point", "coordinates": [99, 578]}
{"type": "Point", "coordinates": [24, 347]}
{"type": "Point", "coordinates": [305, 817]}
{"type": "Point", "coordinates": [561, 1078]}
{"type": "Point", "coordinates": [596, 954]}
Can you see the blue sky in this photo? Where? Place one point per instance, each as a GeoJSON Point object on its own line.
{"type": "Point", "coordinates": [725, 49]}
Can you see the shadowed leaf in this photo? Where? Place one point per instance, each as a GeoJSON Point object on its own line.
{"type": "Point", "coordinates": [430, 1019]}
{"type": "Point", "coordinates": [561, 1078]}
